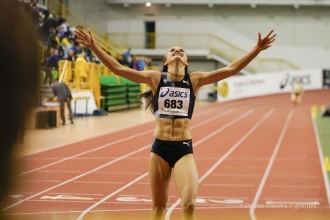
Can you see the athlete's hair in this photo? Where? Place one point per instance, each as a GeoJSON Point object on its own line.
{"type": "Point", "coordinates": [147, 95]}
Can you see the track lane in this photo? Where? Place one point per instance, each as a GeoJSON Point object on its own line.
{"type": "Point", "coordinates": [295, 180]}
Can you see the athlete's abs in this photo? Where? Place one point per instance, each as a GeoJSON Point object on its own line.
{"type": "Point", "coordinates": [172, 129]}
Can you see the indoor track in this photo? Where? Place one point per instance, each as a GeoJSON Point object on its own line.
{"type": "Point", "coordinates": [253, 153]}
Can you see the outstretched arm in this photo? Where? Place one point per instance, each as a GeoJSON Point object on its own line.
{"type": "Point", "coordinates": [87, 39]}
{"type": "Point", "coordinates": [204, 78]}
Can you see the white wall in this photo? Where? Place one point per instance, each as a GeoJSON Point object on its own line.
{"type": "Point", "coordinates": [303, 35]}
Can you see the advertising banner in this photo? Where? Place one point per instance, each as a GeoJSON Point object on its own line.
{"type": "Point", "coordinates": [237, 87]}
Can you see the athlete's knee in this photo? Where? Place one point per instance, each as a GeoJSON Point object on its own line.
{"type": "Point", "coordinates": [188, 206]}
{"type": "Point", "coordinates": [158, 209]}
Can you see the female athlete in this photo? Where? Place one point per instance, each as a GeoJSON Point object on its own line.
{"type": "Point", "coordinates": [172, 98]}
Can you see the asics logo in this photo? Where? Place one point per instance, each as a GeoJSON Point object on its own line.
{"type": "Point", "coordinates": [186, 82]}
{"type": "Point", "coordinates": [173, 94]}
{"type": "Point", "coordinates": [163, 94]}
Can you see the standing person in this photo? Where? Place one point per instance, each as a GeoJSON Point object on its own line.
{"type": "Point", "coordinates": [172, 99]}
{"type": "Point", "coordinates": [61, 90]}
{"type": "Point", "coordinates": [296, 92]}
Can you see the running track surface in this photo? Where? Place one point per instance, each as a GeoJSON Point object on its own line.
{"type": "Point", "coordinates": [254, 153]}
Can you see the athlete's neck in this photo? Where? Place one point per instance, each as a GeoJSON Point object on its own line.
{"type": "Point", "coordinates": [176, 74]}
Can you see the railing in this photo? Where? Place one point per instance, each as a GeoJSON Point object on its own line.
{"type": "Point", "coordinates": [213, 43]}
{"type": "Point", "coordinates": [85, 76]}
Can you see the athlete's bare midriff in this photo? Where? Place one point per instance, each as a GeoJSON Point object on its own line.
{"type": "Point", "coordinates": [172, 129]}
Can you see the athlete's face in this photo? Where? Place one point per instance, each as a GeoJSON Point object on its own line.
{"type": "Point", "coordinates": [176, 55]}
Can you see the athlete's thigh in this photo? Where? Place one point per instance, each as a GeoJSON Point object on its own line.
{"type": "Point", "coordinates": [160, 176]}
{"type": "Point", "coordinates": [185, 176]}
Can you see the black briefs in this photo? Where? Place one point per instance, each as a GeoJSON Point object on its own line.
{"type": "Point", "coordinates": [172, 151]}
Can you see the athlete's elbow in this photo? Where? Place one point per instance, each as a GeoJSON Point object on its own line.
{"type": "Point", "coordinates": [230, 70]}
{"type": "Point", "coordinates": [118, 70]}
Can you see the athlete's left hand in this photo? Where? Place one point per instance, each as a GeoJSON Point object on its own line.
{"type": "Point", "coordinates": [264, 43]}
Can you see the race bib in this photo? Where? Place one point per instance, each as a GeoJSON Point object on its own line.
{"type": "Point", "coordinates": [173, 101]}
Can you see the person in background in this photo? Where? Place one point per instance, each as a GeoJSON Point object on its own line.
{"type": "Point", "coordinates": [81, 67]}
{"type": "Point", "coordinates": [127, 57]}
{"type": "Point", "coordinates": [63, 93]}
{"type": "Point", "coordinates": [19, 63]}
{"type": "Point", "coordinates": [296, 92]}
{"type": "Point", "coordinates": [51, 64]}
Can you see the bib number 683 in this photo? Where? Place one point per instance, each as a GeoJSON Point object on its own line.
{"type": "Point", "coordinates": [173, 103]}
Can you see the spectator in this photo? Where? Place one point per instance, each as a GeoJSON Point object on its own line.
{"type": "Point", "coordinates": [70, 56]}
{"type": "Point", "coordinates": [51, 64]}
{"type": "Point", "coordinates": [82, 49]}
{"type": "Point", "coordinates": [81, 67]}
{"type": "Point", "coordinates": [142, 64]}
{"type": "Point", "coordinates": [127, 56]}
{"type": "Point", "coordinates": [51, 38]}
{"type": "Point", "coordinates": [48, 25]}
{"type": "Point", "coordinates": [63, 93]}
{"type": "Point", "coordinates": [136, 61]}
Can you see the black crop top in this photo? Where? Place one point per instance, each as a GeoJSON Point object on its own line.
{"type": "Point", "coordinates": [174, 99]}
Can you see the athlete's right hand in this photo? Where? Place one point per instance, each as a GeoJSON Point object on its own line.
{"type": "Point", "coordinates": [84, 38]}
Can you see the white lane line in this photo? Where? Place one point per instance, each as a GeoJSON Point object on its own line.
{"type": "Point", "coordinates": [212, 119]}
{"type": "Point", "coordinates": [269, 166]}
{"type": "Point", "coordinates": [94, 182]}
{"type": "Point", "coordinates": [60, 171]}
{"type": "Point", "coordinates": [238, 175]}
{"type": "Point", "coordinates": [243, 167]}
{"type": "Point", "coordinates": [77, 194]}
{"type": "Point", "coordinates": [169, 211]}
{"type": "Point", "coordinates": [43, 181]}
{"type": "Point", "coordinates": [230, 185]}
{"type": "Point", "coordinates": [110, 195]}
{"type": "Point", "coordinates": [324, 172]}
{"type": "Point", "coordinates": [295, 176]}
{"type": "Point", "coordinates": [149, 195]}
{"type": "Point", "coordinates": [116, 142]}
{"type": "Point", "coordinates": [296, 186]}
{"type": "Point", "coordinates": [77, 177]}
{"type": "Point", "coordinates": [126, 173]}
{"type": "Point", "coordinates": [87, 152]}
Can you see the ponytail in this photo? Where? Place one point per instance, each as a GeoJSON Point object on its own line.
{"type": "Point", "coordinates": [148, 97]}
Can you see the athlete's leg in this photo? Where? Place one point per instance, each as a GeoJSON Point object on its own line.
{"type": "Point", "coordinates": [186, 180]}
{"type": "Point", "coordinates": [298, 98]}
{"type": "Point", "coordinates": [293, 98]}
{"type": "Point", "coordinates": [160, 176]}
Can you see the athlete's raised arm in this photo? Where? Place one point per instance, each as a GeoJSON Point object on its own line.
{"type": "Point", "coordinates": [204, 78]}
{"type": "Point", "coordinates": [87, 40]}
